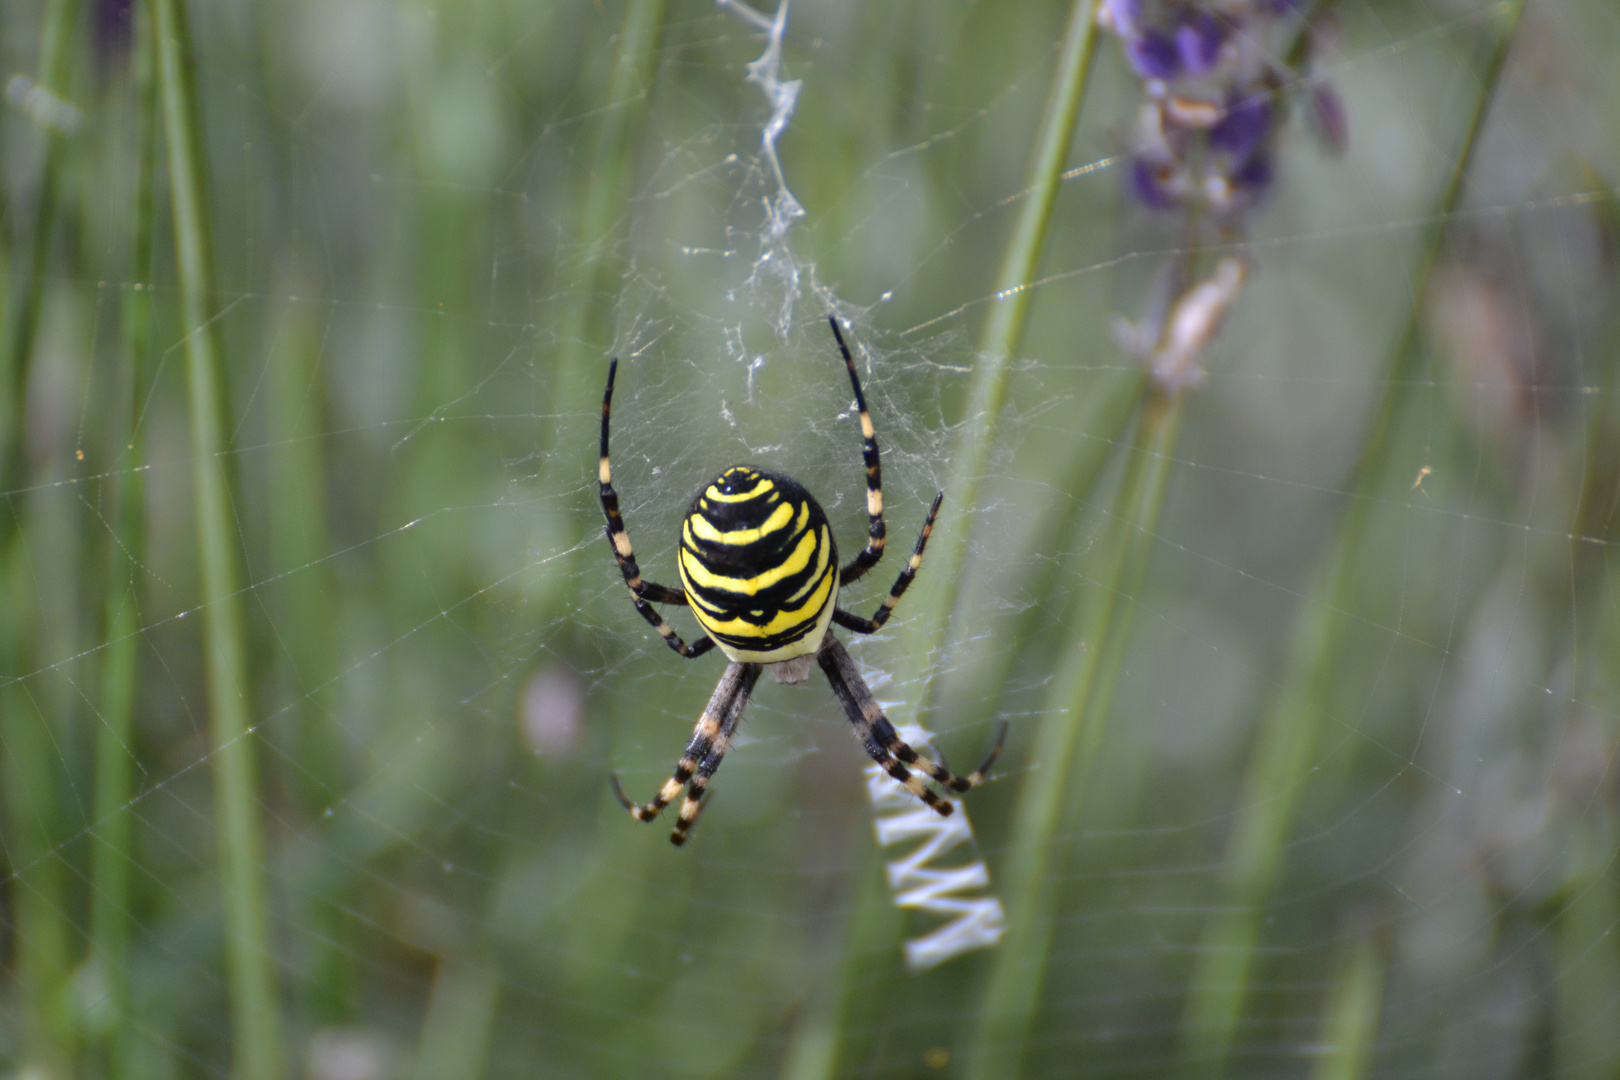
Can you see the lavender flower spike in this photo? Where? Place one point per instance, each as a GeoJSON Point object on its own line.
{"type": "Point", "coordinates": [1217, 92]}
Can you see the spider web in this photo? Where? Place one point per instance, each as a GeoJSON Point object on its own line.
{"type": "Point", "coordinates": [417, 303]}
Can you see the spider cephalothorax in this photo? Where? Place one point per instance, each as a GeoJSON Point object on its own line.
{"type": "Point", "coordinates": [759, 568]}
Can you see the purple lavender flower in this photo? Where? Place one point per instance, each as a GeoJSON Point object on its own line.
{"type": "Point", "coordinates": [1214, 91]}
{"type": "Point", "coordinates": [1255, 175]}
{"type": "Point", "coordinates": [1154, 55]}
{"type": "Point", "coordinates": [112, 31]}
{"type": "Point", "coordinates": [1123, 16]}
{"type": "Point", "coordinates": [1206, 138]}
{"type": "Point", "coordinates": [1151, 180]}
{"type": "Point", "coordinates": [1244, 127]}
{"type": "Point", "coordinates": [1198, 41]}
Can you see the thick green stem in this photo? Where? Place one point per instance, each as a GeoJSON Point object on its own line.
{"type": "Point", "coordinates": [249, 961]}
{"type": "Point", "coordinates": [1074, 719]}
{"type": "Point", "coordinates": [1288, 734]}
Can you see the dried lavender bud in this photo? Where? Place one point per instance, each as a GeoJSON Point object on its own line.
{"type": "Point", "coordinates": [1327, 117]}
{"type": "Point", "coordinates": [1177, 363]}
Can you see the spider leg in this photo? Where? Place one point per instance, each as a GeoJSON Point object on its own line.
{"type": "Point", "coordinates": [901, 584]}
{"type": "Point", "coordinates": [641, 591]}
{"type": "Point", "coordinates": [883, 744]}
{"type": "Point", "coordinates": [693, 804]}
{"type": "Point", "coordinates": [876, 531]}
{"type": "Point", "coordinates": [976, 777]}
{"type": "Point", "coordinates": [725, 705]}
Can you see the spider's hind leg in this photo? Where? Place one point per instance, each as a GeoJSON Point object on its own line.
{"type": "Point", "coordinates": [713, 730]}
{"type": "Point", "coordinates": [693, 804]}
{"type": "Point", "coordinates": [942, 772]}
{"type": "Point", "coordinates": [731, 684]}
{"type": "Point", "coordinates": [883, 744]}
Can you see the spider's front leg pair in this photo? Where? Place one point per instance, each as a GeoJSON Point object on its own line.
{"type": "Point", "coordinates": [643, 593]}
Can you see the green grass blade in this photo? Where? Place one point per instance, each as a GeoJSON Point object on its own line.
{"type": "Point", "coordinates": [460, 1020]}
{"type": "Point", "coordinates": [1588, 954]}
{"type": "Point", "coordinates": [1350, 1024]}
{"type": "Point", "coordinates": [1000, 336]}
{"type": "Point", "coordinates": [33, 768]}
{"type": "Point", "coordinates": [28, 293]}
{"type": "Point", "coordinates": [306, 608]}
{"type": "Point", "coordinates": [33, 837]}
{"type": "Point", "coordinates": [1288, 734]}
{"type": "Point", "coordinates": [250, 968]}
{"type": "Point", "coordinates": [1587, 1016]}
{"type": "Point", "coordinates": [1073, 721]}
{"type": "Point", "coordinates": [113, 856]}
{"type": "Point", "coordinates": [580, 370]}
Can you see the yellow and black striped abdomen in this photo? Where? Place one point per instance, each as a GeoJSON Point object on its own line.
{"type": "Point", "coordinates": [759, 566]}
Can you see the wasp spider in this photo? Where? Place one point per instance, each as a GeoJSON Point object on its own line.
{"type": "Point", "coordinates": [759, 569]}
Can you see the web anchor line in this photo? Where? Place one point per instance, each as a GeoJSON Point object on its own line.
{"type": "Point", "coordinates": [960, 893]}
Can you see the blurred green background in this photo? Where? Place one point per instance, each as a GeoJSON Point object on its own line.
{"type": "Point", "coordinates": [316, 664]}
